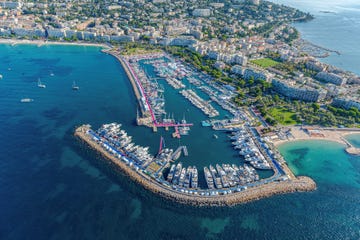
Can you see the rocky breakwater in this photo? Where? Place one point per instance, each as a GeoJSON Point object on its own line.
{"type": "Point", "coordinates": [299, 184]}
{"type": "Point", "coordinates": [145, 118]}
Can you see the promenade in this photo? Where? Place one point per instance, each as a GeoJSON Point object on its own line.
{"type": "Point", "coordinates": [262, 190]}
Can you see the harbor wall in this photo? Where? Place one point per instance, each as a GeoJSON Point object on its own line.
{"type": "Point", "coordinates": [298, 184]}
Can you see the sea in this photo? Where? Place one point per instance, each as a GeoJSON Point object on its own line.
{"type": "Point", "coordinates": [53, 187]}
{"type": "Point", "coordinates": [336, 26]}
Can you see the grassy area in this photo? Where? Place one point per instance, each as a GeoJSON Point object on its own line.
{"type": "Point", "coordinates": [139, 50]}
{"type": "Point", "coordinates": [284, 116]}
{"type": "Point", "coordinates": [264, 62]}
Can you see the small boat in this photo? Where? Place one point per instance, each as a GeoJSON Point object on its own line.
{"type": "Point", "coordinates": [1, 76]}
{"type": "Point", "coordinates": [206, 123]}
{"type": "Point", "coordinates": [26, 100]}
{"type": "Point", "coordinates": [215, 136]}
{"type": "Point", "coordinates": [52, 74]}
{"type": "Point", "coordinates": [41, 85]}
{"type": "Point", "coordinates": [75, 87]}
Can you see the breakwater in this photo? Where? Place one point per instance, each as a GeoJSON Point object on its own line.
{"type": "Point", "coordinates": [299, 184]}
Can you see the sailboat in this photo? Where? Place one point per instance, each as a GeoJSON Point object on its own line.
{"type": "Point", "coordinates": [75, 87]}
{"type": "Point", "coordinates": [41, 85]}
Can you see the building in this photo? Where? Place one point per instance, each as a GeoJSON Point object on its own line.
{"type": "Point", "coordinates": [201, 12]}
{"type": "Point", "coordinates": [217, 5]}
{"type": "Point", "coordinates": [219, 65]}
{"type": "Point", "coordinates": [256, 75]}
{"type": "Point", "coordinates": [182, 42]}
{"type": "Point", "coordinates": [255, 2]}
{"type": "Point", "coordinates": [346, 103]}
{"type": "Point", "coordinates": [55, 33]}
{"type": "Point", "coordinates": [122, 38]}
{"type": "Point", "coordinates": [5, 32]}
{"type": "Point", "coordinates": [21, 32]}
{"type": "Point", "coordinates": [315, 66]}
{"type": "Point", "coordinates": [331, 78]}
{"type": "Point", "coordinates": [197, 34]}
{"type": "Point", "coordinates": [213, 55]}
{"type": "Point", "coordinates": [11, 5]}
{"type": "Point", "coordinates": [239, 59]}
{"type": "Point", "coordinates": [237, 69]}
{"type": "Point", "coordinates": [303, 93]}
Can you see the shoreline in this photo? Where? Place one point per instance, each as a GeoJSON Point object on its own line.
{"type": "Point", "coordinates": [297, 184]}
{"type": "Point", "coordinates": [322, 134]}
{"type": "Point", "coordinates": [43, 42]}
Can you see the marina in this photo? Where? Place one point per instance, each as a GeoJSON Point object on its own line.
{"type": "Point", "coordinates": [200, 103]}
{"type": "Point", "coordinates": [147, 171]}
{"type": "Point", "coordinates": [163, 168]}
{"type": "Point", "coordinates": [149, 94]}
{"type": "Point", "coordinates": [116, 141]}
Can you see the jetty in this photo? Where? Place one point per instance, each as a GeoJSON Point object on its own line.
{"type": "Point", "coordinates": [142, 87]}
{"type": "Point", "coordinates": [200, 197]}
{"type": "Point", "coordinates": [178, 151]}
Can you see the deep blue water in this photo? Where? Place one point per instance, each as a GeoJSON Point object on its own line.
{"type": "Point", "coordinates": [51, 187]}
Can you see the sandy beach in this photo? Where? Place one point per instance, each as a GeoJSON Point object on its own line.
{"type": "Point", "coordinates": [318, 133]}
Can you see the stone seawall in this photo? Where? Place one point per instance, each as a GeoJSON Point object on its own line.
{"type": "Point", "coordinates": [299, 184]}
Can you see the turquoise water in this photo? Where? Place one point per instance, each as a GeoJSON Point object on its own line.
{"type": "Point", "coordinates": [324, 161]}
{"type": "Point", "coordinates": [354, 139]}
{"type": "Point", "coordinates": [51, 187]}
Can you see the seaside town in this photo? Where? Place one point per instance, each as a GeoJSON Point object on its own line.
{"type": "Point", "coordinates": [249, 44]}
{"type": "Point", "coordinates": [241, 56]}
{"type": "Point", "coordinates": [169, 178]}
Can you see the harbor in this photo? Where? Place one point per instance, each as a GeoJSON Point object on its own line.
{"type": "Point", "coordinates": [255, 163]}
{"type": "Point", "coordinates": [138, 169]}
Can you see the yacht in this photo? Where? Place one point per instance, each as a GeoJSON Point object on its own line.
{"type": "Point", "coordinates": [26, 100]}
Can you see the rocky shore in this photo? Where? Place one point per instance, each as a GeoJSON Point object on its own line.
{"type": "Point", "coordinates": [299, 184]}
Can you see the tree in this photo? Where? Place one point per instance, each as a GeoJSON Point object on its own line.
{"type": "Point", "coordinates": [315, 107]}
{"type": "Point", "coordinates": [276, 98]}
{"type": "Point", "coordinates": [251, 81]}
